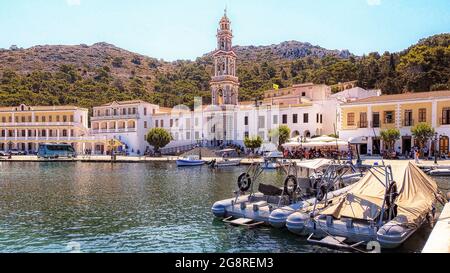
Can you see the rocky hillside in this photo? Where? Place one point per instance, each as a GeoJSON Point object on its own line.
{"type": "Point", "coordinates": [86, 59]}
{"type": "Point", "coordinates": [290, 50]}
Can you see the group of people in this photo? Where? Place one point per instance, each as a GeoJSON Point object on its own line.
{"type": "Point", "coordinates": [301, 153]}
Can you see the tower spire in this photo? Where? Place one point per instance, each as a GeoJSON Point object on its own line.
{"type": "Point", "coordinates": [224, 83]}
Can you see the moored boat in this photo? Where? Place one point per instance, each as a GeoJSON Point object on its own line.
{"type": "Point", "coordinates": [387, 206]}
{"type": "Point", "coordinates": [272, 205]}
{"type": "Point", "coordinates": [191, 160]}
{"type": "Point", "coordinates": [225, 163]}
{"type": "Point", "coordinates": [439, 172]}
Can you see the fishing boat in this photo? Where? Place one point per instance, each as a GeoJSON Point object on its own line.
{"type": "Point", "coordinates": [224, 162]}
{"type": "Point", "coordinates": [191, 160]}
{"type": "Point", "coordinates": [296, 193]}
{"type": "Point", "coordinates": [387, 206]}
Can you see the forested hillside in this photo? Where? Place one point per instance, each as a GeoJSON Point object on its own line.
{"type": "Point", "coordinates": [92, 75]}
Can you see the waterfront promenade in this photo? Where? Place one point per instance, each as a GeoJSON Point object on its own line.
{"type": "Point", "coordinates": [143, 159]}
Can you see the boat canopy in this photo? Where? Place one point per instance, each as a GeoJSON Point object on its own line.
{"type": "Point", "coordinates": [314, 164]}
{"type": "Point", "coordinates": [417, 193]}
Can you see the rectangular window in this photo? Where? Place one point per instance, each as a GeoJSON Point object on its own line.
{"type": "Point", "coordinates": [294, 118]}
{"type": "Point", "coordinates": [246, 134]}
{"type": "Point", "coordinates": [162, 123]}
{"type": "Point", "coordinates": [275, 119]}
{"type": "Point", "coordinates": [188, 123]}
{"type": "Point", "coordinates": [317, 118]}
{"type": "Point", "coordinates": [171, 123]}
{"type": "Point", "coordinates": [145, 111]}
{"type": "Point", "coordinates": [145, 124]}
{"type": "Point", "coordinates": [445, 116]}
{"type": "Point", "coordinates": [376, 120]}
{"type": "Point", "coordinates": [57, 118]}
{"type": "Point", "coordinates": [422, 115]}
{"type": "Point", "coordinates": [261, 122]}
{"type": "Point", "coordinates": [363, 120]}
{"type": "Point", "coordinates": [305, 118]}
{"type": "Point", "coordinates": [321, 118]}
{"type": "Point", "coordinates": [23, 119]}
{"type": "Point", "coordinates": [408, 118]}
{"type": "Point", "coordinates": [285, 117]}
{"type": "Point", "coordinates": [303, 94]}
{"type": "Point", "coordinates": [245, 121]}
{"type": "Point", "coordinates": [197, 135]}
{"type": "Point", "coordinates": [50, 118]}
{"type": "Point", "coordinates": [3, 120]}
{"type": "Point", "coordinates": [350, 119]}
{"type": "Point", "coordinates": [71, 118]}
{"type": "Point", "coordinates": [43, 118]}
{"type": "Point", "coordinates": [389, 117]}
{"type": "Point", "coordinates": [188, 135]}
{"type": "Point", "coordinates": [156, 123]}
{"type": "Point", "coordinates": [196, 121]}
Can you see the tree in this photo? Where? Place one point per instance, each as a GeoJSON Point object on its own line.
{"type": "Point", "coordinates": [389, 136]}
{"type": "Point", "coordinates": [282, 133]}
{"type": "Point", "coordinates": [253, 143]}
{"type": "Point", "coordinates": [158, 138]}
{"type": "Point", "coordinates": [117, 62]}
{"type": "Point", "coordinates": [422, 132]}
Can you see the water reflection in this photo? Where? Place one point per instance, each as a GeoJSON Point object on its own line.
{"type": "Point", "coordinates": [154, 207]}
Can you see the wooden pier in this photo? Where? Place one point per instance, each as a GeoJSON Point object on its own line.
{"type": "Point", "coordinates": [439, 240]}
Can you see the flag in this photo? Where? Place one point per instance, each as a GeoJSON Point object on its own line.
{"type": "Point", "coordinates": [276, 86]}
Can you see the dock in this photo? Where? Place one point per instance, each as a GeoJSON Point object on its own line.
{"type": "Point", "coordinates": [439, 240]}
{"type": "Point", "coordinates": [119, 159]}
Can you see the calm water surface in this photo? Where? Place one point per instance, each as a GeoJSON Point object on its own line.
{"type": "Point", "coordinates": [151, 207]}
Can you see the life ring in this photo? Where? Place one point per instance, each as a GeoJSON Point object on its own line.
{"type": "Point", "coordinates": [290, 184]}
{"type": "Point", "coordinates": [244, 182]}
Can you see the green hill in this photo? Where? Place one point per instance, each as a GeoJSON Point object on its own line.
{"type": "Point", "coordinates": [92, 75]}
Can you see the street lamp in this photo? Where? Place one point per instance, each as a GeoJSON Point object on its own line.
{"type": "Point", "coordinates": [435, 147]}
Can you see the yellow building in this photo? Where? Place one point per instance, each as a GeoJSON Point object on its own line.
{"type": "Point", "coordinates": [367, 117]}
{"type": "Point", "coordinates": [25, 127]}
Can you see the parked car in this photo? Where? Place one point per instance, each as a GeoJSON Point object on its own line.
{"type": "Point", "coordinates": [4, 153]}
{"type": "Point", "coordinates": [16, 152]}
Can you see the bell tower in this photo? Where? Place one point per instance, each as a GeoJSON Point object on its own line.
{"type": "Point", "coordinates": [224, 83]}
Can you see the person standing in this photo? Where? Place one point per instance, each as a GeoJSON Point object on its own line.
{"type": "Point", "coordinates": [416, 156]}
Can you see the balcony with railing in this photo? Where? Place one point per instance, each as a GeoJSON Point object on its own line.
{"type": "Point", "coordinates": [117, 130]}
{"type": "Point", "coordinates": [35, 124]}
{"type": "Point", "coordinates": [444, 121]}
{"type": "Point", "coordinates": [115, 117]}
{"type": "Point", "coordinates": [408, 122]}
{"type": "Point", "coordinates": [375, 124]}
{"type": "Point", "coordinates": [363, 124]}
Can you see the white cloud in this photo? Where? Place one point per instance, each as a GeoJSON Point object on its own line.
{"type": "Point", "coordinates": [374, 2]}
{"type": "Point", "coordinates": [73, 2]}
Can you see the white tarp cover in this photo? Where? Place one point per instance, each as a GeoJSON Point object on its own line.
{"type": "Point", "coordinates": [314, 164]}
{"type": "Point", "coordinates": [417, 193]}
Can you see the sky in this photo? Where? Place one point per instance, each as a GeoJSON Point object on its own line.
{"type": "Point", "coordinates": [182, 29]}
